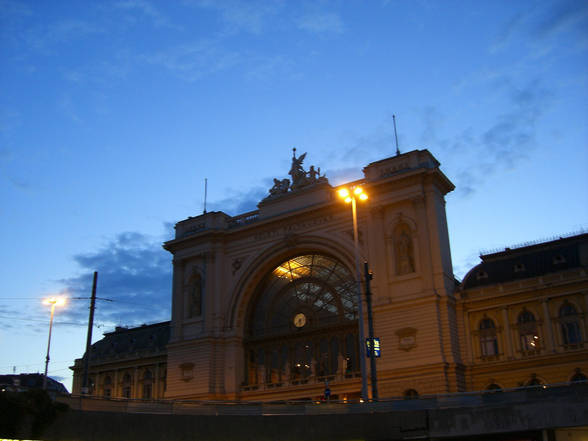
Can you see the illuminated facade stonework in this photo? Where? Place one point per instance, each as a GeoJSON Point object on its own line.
{"type": "Point", "coordinates": [264, 304]}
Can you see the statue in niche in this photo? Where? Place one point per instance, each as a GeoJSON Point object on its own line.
{"type": "Point", "coordinates": [193, 292]}
{"type": "Point", "coordinates": [404, 250]}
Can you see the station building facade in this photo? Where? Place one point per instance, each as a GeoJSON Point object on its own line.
{"type": "Point", "coordinates": [264, 304]}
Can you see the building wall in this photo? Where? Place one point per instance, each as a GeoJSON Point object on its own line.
{"type": "Point", "coordinates": [548, 360]}
{"type": "Point", "coordinates": [402, 233]}
{"type": "Point", "coordinates": [429, 325]}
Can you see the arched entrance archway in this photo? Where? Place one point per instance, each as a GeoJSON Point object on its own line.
{"type": "Point", "coordinates": [301, 326]}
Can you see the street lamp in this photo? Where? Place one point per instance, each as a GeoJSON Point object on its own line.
{"type": "Point", "coordinates": [53, 301]}
{"type": "Point", "coordinates": [350, 196]}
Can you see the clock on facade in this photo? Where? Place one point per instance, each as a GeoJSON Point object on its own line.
{"type": "Point", "coordinates": [299, 320]}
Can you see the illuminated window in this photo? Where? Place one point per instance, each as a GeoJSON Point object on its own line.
{"type": "Point", "coordinates": [570, 325]}
{"type": "Point", "coordinates": [528, 335]}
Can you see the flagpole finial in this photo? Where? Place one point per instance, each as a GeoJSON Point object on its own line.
{"type": "Point", "coordinates": [293, 152]}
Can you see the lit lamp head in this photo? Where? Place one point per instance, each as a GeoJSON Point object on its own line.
{"type": "Point", "coordinates": [357, 193]}
{"type": "Point", "coordinates": [57, 301]}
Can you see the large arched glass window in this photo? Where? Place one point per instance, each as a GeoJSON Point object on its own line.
{"type": "Point", "coordinates": [570, 325]}
{"type": "Point", "coordinates": [488, 339]}
{"type": "Point", "coordinates": [302, 324]}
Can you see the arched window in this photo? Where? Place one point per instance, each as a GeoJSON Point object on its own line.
{"type": "Point", "coordinates": [410, 394]}
{"type": "Point", "coordinates": [488, 339]}
{"type": "Point", "coordinates": [147, 384]}
{"type": "Point", "coordinates": [126, 386]}
{"type": "Point", "coordinates": [107, 386]}
{"type": "Point", "coordinates": [534, 381]}
{"type": "Point", "coordinates": [528, 335]}
{"type": "Point", "coordinates": [578, 377]}
{"type": "Point", "coordinates": [569, 325]}
{"type": "Point", "coordinates": [302, 324]}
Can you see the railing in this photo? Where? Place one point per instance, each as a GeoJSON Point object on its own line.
{"type": "Point", "coordinates": [243, 219]}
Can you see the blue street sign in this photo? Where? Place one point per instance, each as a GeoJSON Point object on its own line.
{"type": "Point", "coordinates": [368, 349]}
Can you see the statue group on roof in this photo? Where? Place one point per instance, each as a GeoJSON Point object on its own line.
{"type": "Point", "coordinates": [300, 177]}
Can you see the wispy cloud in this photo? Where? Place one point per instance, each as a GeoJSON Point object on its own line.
{"type": "Point", "coordinates": [60, 32]}
{"type": "Point", "coordinates": [148, 10]}
{"type": "Point", "coordinates": [195, 60]}
{"type": "Point", "coordinates": [502, 143]}
{"type": "Point", "coordinates": [134, 273]}
{"type": "Point", "coordinates": [321, 22]}
{"type": "Point", "coordinates": [238, 202]}
{"type": "Point", "coordinates": [236, 16]}
{"type": "Point", "coordinates": [563, 16]}
{"type": "Point", "coordinates": [543, 23]}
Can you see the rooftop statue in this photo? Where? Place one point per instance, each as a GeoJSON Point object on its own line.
{"type": "Point", "coordinates": [300, 177]}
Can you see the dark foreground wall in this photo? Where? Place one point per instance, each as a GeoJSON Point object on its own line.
{"type": "Point", "coordinates": [103, 426]}
{"type": "Point", "coordinates": [496, 415]}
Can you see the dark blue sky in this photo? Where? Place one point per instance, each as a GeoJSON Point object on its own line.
{"type": "Point", "coordinates": [114, 112]}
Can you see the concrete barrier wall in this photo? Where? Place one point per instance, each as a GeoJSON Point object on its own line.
{"type": "Point", "coordinates": [432, 418]}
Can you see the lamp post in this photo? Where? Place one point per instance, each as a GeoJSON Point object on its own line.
{"type": "Point", "coordinates": [351, 196]}
{"type": "Point", "coordinates": [53, 301]}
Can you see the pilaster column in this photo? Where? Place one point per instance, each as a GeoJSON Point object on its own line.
{"type": "Point", "coordinates": [507, 333]}
{"type": "Point", "coordinates": [548, 327]}
{"type": "Point", "coordinates": [261, 375]}
{"type": "Point", "coordinates": [177, 299]}
{"type": "Point", "coordinates": [341, 366]}
{"type": "Point", "coordinates": [156, 394]}
{"type": "Point", "coordinates": [135, 392]}
{"type": "Point", "coordinates": [468, 336]}
{"type": "Point", "coordinates": [115, 388]}
{"type": "Point", "coordinates": [97, 388]}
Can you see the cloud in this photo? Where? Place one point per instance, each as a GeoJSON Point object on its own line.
{"type": "Point", "coordinates": [562, 17]}
{"type": "Point", "coordinates": [542, 24]}
{"type": "Point", "coordinates": [239, 202]}
{"type": "Point", "coordinates": [236, 16]}
{"type": "Point", "coordinates": [195, 60]}
{"type": "Point", "coordinates": [134, 275]}
{"type": "Point", "coordinates": [321, 22]}
{"type": "Point", "coordinates": [508, 31]}
{"type": "Point", "coordinates": [507, 138]}
{"type": "Point", "coordinates": [61, 32]}
{"type": "Point", "coordinates": [146, 9]}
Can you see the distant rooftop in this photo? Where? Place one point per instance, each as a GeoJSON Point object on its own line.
{"type": "Point", "coordinates": [123, 341]}
{"type": "Point", "coordinates": [531, 260]}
